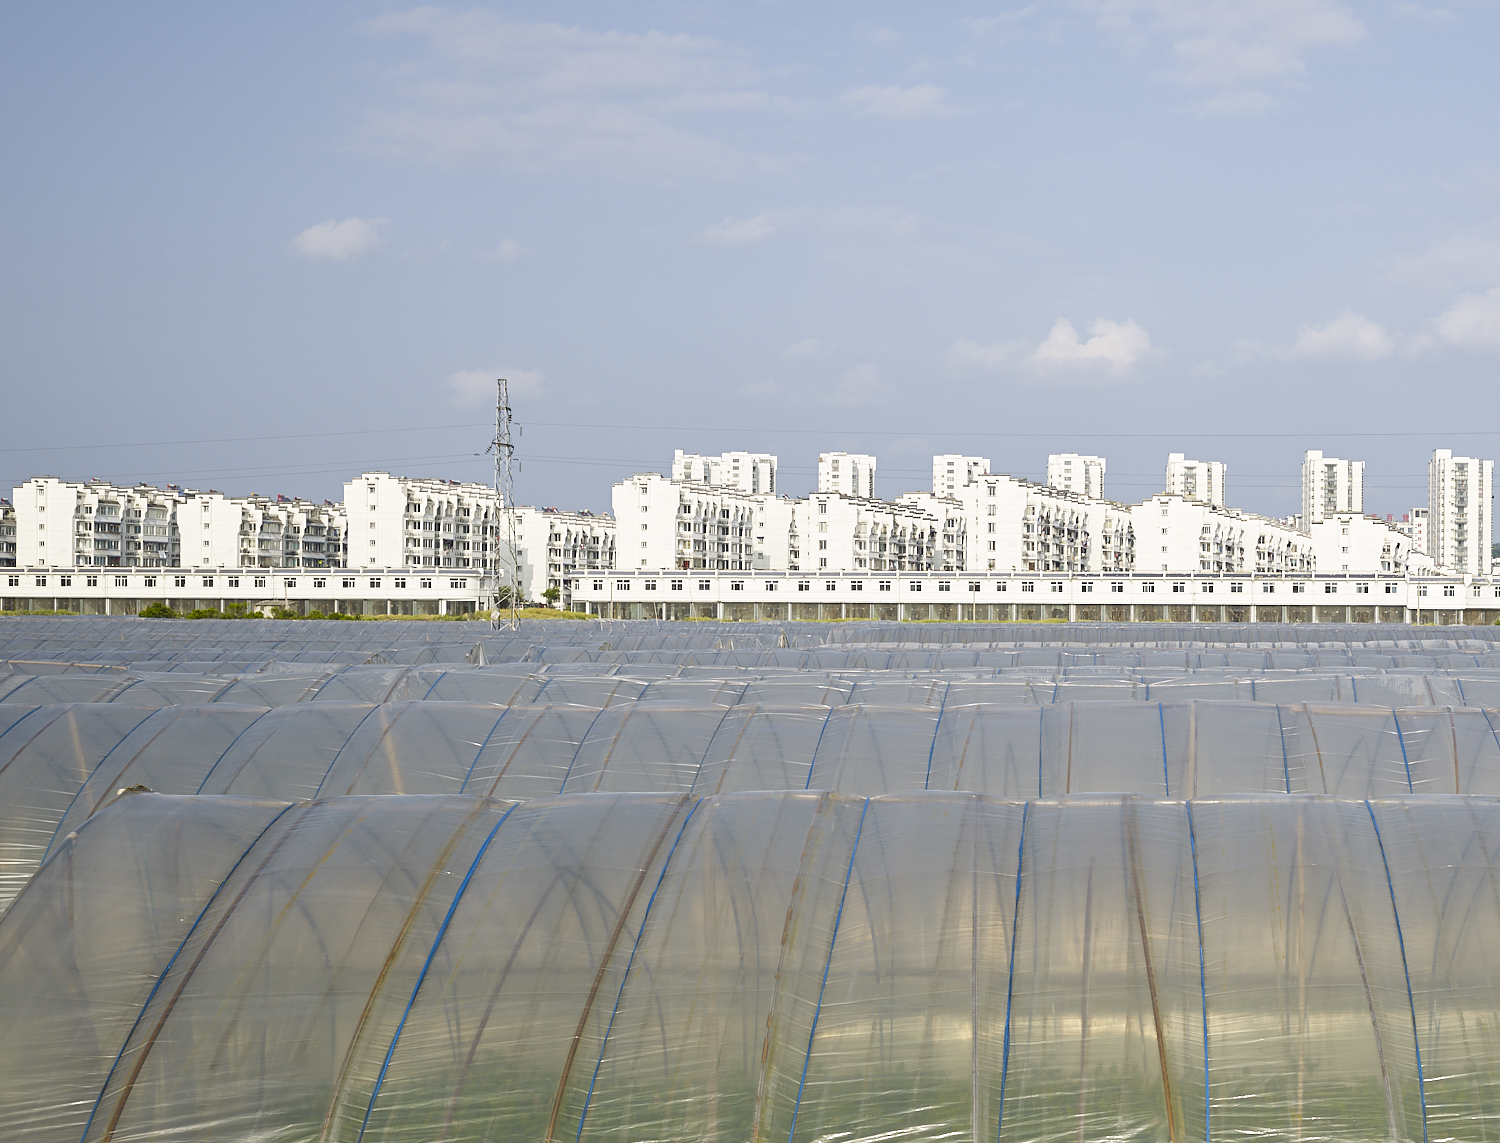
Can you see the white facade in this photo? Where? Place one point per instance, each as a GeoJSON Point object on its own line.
{"type": "Point", "coordinates": [664, 524]}
{"type": "Point", "coordinates": [847, 473]}
{"type": "Point", "coordinates": [1200, 480]}
{"type": "Point", "coordinates": [1363, 545]}
{"type": "Point", "coordinates": [1459, 512]}
{"type": "Point", "coordinates": [399, 521]}
{"type": "Point", "coordinates": [556, 547]}
{"type": "Point", "coordinates": [1331, 487]}
{"type": "Point", "coordinates": [1073, 472]}
{"type": "Point", "coordinates": [743, 471]}
{"type": "Point", "coordinates": [7, 534]}
{"type": "Point", "coordinates": [856, 533]}
{"type": "Point", "coordinates": [952, 471]}
{"type": "Point", "coordinates": [1177, 536]}
{"type": "Point", "coordinates": [95, 524]}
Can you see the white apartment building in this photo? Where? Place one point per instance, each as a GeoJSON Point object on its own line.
{"type": "Point", "coordinates": [406, 522]}
{"type": "Point", "coordinates": [555, 548]}
{"type": "Point", "coordinates": [952, 471]}
{"type": "Point", "coordinates": [847, 473]}
{"type": "Point", "coordinates": [1200, 480]}
{"type": "Point", "coordinates": [1331, 487]}
{"type": "Point", "coordinates": [1363, 545]}
{"type": "Point", "coordinates": [665, 525]}
{"type": "Point", "coordinates": [96, 524]}
{"type": "Point", "coordinates": [1459, 512]}
{"type": "Point", "coordinates": [856, 533]}
{"type": "Point", "coordinates": [7, 534]}
{"type": "Point", "coordinates": [1180, 536]}
{"type": "Point", "coordinates": [1019, 525]}
{"type": "Point", "coordinates": [1073, 472]}
{"type": "Point", "coordinates": [744, 471]}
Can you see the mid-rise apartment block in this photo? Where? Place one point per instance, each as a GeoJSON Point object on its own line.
{"type": "Point", "coordinates": [1364, 544]}
{"type": "Point", "coordinates": [663, 524]}
{"type": "Point", "coordinates": [1200, 480]}
{"type": "Point", "coordinates": [1073, 472]}
{"type": "Point", "coordinates": [847, 473]}
{"type": "Point", "coordinates": [1331, 487]}
{"type": "Point", "coordinates": [952, 471]}
{"type": "Point", "coordinates": [1175, 534]}
{"type": "Point", "coordinates": [857, 533]}
{"type": "Point", "coordinates": [7, 534]}
{"type": "Point", "coordinates": [407, 522]}
{"type": "Point", "coordinates": [554, 548]}
{"type": "Point", "coordinates": [1459, 512]}
{"type": "Point", "coordinates": [743, 471]}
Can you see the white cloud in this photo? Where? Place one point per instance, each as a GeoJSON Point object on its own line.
{"type": "Point", "coordinates": [923, 101]}
{"type": "Point", "coordinates": [339, 240]}
{"type": "Point", "coordinates": [1471, 258]}
{"type": "Point", "coordinates": [539, 96]}
{"type": "Point", "coordinates": [859, 386]}
{"type": "Point", "coordinates": [508, 251]}
{"type": "Point", "coordinates": [1348, 337]}
{"type": "Point", "coordinates": [1472, 322]}
{"type": "Point", "coordinates": [470, 388]}
{"type": "Point", "coordinates": [807, 348]}
{"type": "Point", "coordinates": [740, 231]}
{"type": "Point", "coordinates": [1112, 347]}
{"type": "Point", "coordinates": [1233, 53]}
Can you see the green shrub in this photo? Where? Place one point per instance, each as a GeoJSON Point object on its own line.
{"type": "Point", "coordinates": [204, 613]}
{"type": "Point", "coordinates": [315, 615]}
{"type": "Point", "coordinates": [157, 611]}
{"type": "Point", "coordinates": [284, 613]}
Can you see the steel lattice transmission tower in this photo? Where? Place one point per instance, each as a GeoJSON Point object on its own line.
{"type": "Point", "coordinates": [507, 609]}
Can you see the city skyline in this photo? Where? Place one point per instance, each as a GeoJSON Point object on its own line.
{"type": "Point", "coordinates": [253, 237]}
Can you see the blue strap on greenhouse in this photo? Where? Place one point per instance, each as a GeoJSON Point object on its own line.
{"type": "Point", "coordinates": [1401, 738]}
{"type": "Point", "coordinates": [942, 706]}
{"type": "Point", "coordinates": [1202, 974]}
{"type": "Point", "coordinates": [426, 964]}
{"type": "Point", "coordinates": [1401, 941]}
{"type": "Point", "coordinates": [469, 773]}
{"type": "Point", "coordinates": [146, 1007]}
{"type": "Point", "coordinates": [1166, 778]}
{"type": "Point", "coordinates": [827, 965]}
{"type": "Point", "coordinates": [1010, 983]}
{"type": "Point", "coordinates": [1463, 699]}
{"type": "Point", "coordinates": [1490, 724]}
{"type": "Point", "coordinates": [227, 749]}
{"type": "Point", "coordinates": [630, 963]}
{"type": "Point", "coordinates": [813, 765]}
{"type": "Point", "coordinates": [51, 841]}
{"type": "Point", "coordinates": [1286, 771]}
{"type": "Point", "coordinates": [428, 692]}
{"type": "Point", "coordinates": [348, 740]}
{"type": "Point", "coordinates": [563, 785]}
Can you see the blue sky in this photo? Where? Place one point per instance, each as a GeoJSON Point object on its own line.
{"type": "Point", "coordinates": [261, 247]}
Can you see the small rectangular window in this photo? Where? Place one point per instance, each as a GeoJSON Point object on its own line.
{"type": "Point", "coordinates": [426, 583]}
{"type": "Point", "coordinates": [1149, 587]}
{"type": "Point", "coordinates": [234, 581]}
{"type": "Point", "coordinates": [944, 585]}
{"type": "Point", "coordinates": [830, 584]}
{"type": "Point", "coordinates": [260, 581]}
{"type": "Point", "coordinates": [1117, 587]}
{"type": "Point", "coordinates": [1237, 587]}
{"type": "Point", "coordinates": [804, 585]}
{"type": "Point", "coordinates": [676, 585]}
{"type": "Point", "coordinates": [884, 585]}
{"type": "Point", "coordinates": [622, 585]}
{"type": "Point", "coordinates": [598, 585]}
{"type": "Point", "coordinates": [857, 585]}
{"type": "Point", "coordinates": [179, 581]}
{"type": "Point", "coordinates": [1027, 585]}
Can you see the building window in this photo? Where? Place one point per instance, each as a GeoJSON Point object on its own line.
{"type": "Point", "coordinates": [374, 583]}
{"type": "Point", "coordinates": [1268, 588]}
{"type": "Point", "coordinates": [1179, 587]}
{"type": "Point", "coordinates": [289, 582]}
{"type": "Point", "coordinates": [1056, 587]}
{"type": "Point", "coordinates": [1447, 589]}
{"type": "Point", "coordinates": [1148, 587]}
{"type": "Point", "coordinates": [771, 585]}
{"type": "Point", "coordinates": [234, 581]}
{"type": "Point", "coordinates": [1364, 589]}
{"type": "Point", "coordinates": [857, 585]}
{"type": "Point", "coordinates": [737, 585]}
{"type": "Point", "coordinates": [598, 585]}
{"type": "Point", "coordinates": [1236, 587]}
{"type": "Point", "coordinates": [915, 586]}
{"type": "Point", "coordinates": [122, 581]}
{"type": "Point", "coordinates": [1086, 587]}
{"type": "Point", "coordinates": [804, 585]}
{"type": "Point", "coordinates": [260, 581]}
{"type": "Point", "coordinates": [1117, 587]}
{"type": "Point", "coordinates": [1027, 585]}
{"type": "Point", "coordinates": [345, 582]}
{"type": "Point", "coordinates": [649, 585]}
{"type": "Point", "coordinates": [945, 586]}
{"type": "Point", "coordinates": [91, 581]}
{"type": "Point", "coordinates": [425, 583]}
{"type": "Point", "coordinates": [1206, 588]}
{"type": "Point", "coordinates": [830, 584]}
{"type": "Point", "coordinates": [179, 581]}
{"type": "Point", "coordinates": [884, 585]}
{"type": "Point", "coordinates": [1390, 589]}
{"type": "Point", "coordinates": [208, 581]}
{"type": "Point", "coordinates": [65, 580]}
{"type": "Point", "coordinates": [622, 585]}
{"type": "Point", "coordinates": [324, 583]}
{"type": "Point", "coordinates": [1001, 586]}
{"type": "Point", "coordinates": [1298, 588]}
{"type": "Point", "coordinates": [677, 585]}
{"type": "Point", "coordinates": [13, 581]}
{"type": "Point", "coordinates": [1330, 588]}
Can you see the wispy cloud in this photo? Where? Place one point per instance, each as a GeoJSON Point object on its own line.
{"type": "Point", "coordinates": [924, 101]}
{"type": "Point", "coordinates": [1350, 337]}
{"type": "Point", "coordinates": [474, 388]}
{"type": "Point", "coordinates": [1472, 322]}
{"type": "Point", "coordinates": [1234, 56]}
{"type": "Point", "coordinates": [741, 231]}
{"type": "Point", "coordinates": [545, 97]}
{"type": "Point", "coordinates": [339, 240]}
{"type": "Point", "coordinates": [807, 348]}
{"type": "Point", "coordinates": [1112, 348]}
{"type": "Point", "coordinates": [508, 251]}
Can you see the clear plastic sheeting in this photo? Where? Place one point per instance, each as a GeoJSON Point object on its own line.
{"type": "Point", "coordinates": [758, 966]}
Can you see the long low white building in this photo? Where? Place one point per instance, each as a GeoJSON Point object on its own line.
{"type": "Point", "coordinates": [1137, 597]}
